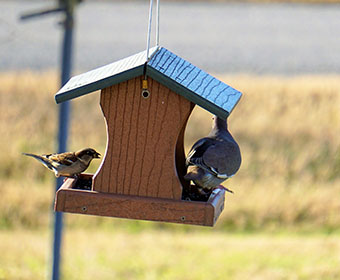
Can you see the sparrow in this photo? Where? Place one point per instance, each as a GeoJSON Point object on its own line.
{"type": "Point", "coordinates": [213, 159]}
{"type": "Point", "coordinates": [69, 164]}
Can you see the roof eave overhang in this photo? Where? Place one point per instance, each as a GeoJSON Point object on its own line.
{"type": "Point", "coordinates": [100, 84]}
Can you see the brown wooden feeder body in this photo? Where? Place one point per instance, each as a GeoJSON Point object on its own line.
{"type": "Point", "coordinates": [145, 140]}
{"type": "Point", "coordinates": [141, 175]}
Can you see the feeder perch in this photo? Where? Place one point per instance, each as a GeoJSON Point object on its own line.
{"type": "Point", "coordinates": [146, 106]}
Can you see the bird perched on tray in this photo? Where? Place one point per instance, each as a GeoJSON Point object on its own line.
{"type": "Point", "coordinates": [213, 159]}
{"type": "Point", "coordinates": [68, 164]}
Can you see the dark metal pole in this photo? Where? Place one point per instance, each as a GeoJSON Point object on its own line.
{"type": "Point", "coordinates": [67, 7]}
{"type": "Point", "coordinates": [64, 115]}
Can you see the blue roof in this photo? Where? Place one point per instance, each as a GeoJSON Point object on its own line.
{"type": "Point", "coordinates": [165, 67]}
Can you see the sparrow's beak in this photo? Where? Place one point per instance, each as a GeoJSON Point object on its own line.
{"type": "Point", "coordinates": [97, 155]}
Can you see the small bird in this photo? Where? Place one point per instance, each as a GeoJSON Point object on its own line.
{"type": "Point", "coordinates": [69, 164]}
{"type": "Point", "coordinates": [213, 159]}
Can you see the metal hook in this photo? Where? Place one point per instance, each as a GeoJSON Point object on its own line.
{"type": "Point", "coordinates": [145, 92]}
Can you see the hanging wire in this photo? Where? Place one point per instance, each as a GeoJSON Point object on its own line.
{"type": "Point", "coordinates": [149, 28]}
{"type": "Point", "coordinates": [157, 25]}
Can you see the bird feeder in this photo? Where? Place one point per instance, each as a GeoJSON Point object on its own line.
{"type": "Point", "coordinates": [146, 105]}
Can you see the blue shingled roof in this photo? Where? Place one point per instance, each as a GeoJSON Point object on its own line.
{"type": "Point", "coordinates": [165, 67]}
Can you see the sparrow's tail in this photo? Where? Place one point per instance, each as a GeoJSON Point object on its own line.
{"type": "Point", "coordinates": [45, 161]}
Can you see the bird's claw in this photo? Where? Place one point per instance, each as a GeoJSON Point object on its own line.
{"type": "Point", "coordinates": [75, 176]}
{"type": "Point", "coordinates": [223, 188]}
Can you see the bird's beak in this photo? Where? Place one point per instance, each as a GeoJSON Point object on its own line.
{"type": "Point", "coordinates": [97, 155]}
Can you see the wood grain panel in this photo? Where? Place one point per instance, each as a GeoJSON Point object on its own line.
{"type": "Point", "coordinates": [140, 158]}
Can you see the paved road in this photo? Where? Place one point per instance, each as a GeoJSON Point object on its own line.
{"type": "Point", "coordinates": [252, 38]}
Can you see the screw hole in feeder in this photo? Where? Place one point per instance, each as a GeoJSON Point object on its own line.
{"type": "Point", "coordinates": [145, 94]}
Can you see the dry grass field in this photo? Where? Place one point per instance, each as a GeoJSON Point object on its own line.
{"type": "Point", "coordinates": [151, 255]}
{"type": "Point", "coordinates": [282, 222]}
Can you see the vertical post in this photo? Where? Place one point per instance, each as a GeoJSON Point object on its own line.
{"type": "Point", "coordinates": [64, 115]}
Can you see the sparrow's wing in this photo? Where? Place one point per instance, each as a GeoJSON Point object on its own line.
{"type": "Point", "coordinates": [223, 158]}
{"type": "Point", "coordinates": [64, 158]}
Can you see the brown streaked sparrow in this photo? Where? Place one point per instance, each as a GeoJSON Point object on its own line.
{"type": "Point", "coordinates": [68, 164]}
{"type": "Point", "coordinates": [213, 159]}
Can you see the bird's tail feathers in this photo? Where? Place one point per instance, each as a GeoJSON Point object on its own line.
{"type": "Point", "coordinates": [42, 159]}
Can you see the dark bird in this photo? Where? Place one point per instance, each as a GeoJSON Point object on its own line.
{"type": "Point", "coordinates": [213, 159]}
{"type": "Point", "coordinates": [68, 164]}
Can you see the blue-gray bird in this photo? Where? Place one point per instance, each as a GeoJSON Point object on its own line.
{"type": "Point", "coordinates": [67, 164]}
{"type": "Point", "coordinates": [213, 159]}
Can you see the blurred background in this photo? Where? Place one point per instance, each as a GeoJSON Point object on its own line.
{"type": "Point", "coordinates": [282, 222]}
